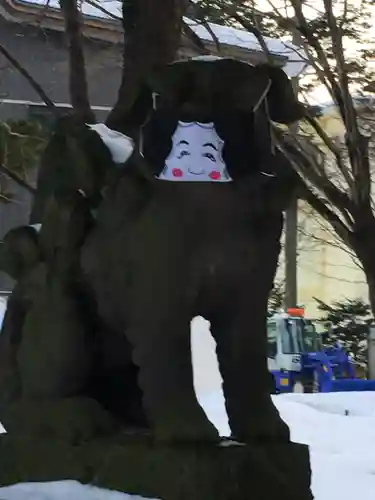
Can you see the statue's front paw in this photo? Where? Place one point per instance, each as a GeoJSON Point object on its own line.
{"type": "Point", "coordinates": [73, 420]}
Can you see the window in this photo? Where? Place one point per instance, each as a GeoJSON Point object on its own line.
{"type": "Point", "coordinates": [272, 339]}
{"type": "Point", "coordinates": [310, 337]}
{"type": "Point", "coordinates": [289, 343]}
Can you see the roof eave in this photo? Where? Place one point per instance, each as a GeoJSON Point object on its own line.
{"type": "Point", "coordinates": [110, 30]}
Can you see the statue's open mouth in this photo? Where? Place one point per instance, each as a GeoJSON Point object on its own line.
{"type": "Point", "coordinates": [195, 173]}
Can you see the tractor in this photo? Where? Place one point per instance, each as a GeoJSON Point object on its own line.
{"type": "Point", "coordinates": [299, 362]}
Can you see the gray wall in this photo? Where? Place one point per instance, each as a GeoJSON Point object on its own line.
{"type": "Point", "coordinates": [43, 54]}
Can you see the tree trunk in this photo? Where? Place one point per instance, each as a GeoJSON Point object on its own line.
{"type": "Point", "coordinates": [363, 243]}
{"type": "Point", "coordinates": [368, 263]}
{"type": "Point", "coordinates": [152, 38]}
{"type": "Point", "coordinates": [77, 70]}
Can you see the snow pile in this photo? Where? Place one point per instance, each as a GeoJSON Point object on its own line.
{"type": "Point", "coordinates": [62, 490]}
{"type": "Point", "coordinates": [120, 145]}
{"type": "Point", "coordinates": [342, 447]}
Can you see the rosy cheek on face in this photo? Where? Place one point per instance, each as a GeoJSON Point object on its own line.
{"type": "Point", "coordinates": [214, 175]}
{"type": "Point", "coordinates": [177, 172]}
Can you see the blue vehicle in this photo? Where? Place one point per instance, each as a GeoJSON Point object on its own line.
{"type": "Point", "coordinates": [298, 361]}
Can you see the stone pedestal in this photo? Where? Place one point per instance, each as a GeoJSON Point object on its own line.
{"type": "Point", "coordinates": [136, 465]}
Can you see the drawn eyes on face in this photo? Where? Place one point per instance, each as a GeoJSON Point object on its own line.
{"type": "Point", "coordinates": [182, 154]}
{"type": "Point", "coordinates": [210, 156]}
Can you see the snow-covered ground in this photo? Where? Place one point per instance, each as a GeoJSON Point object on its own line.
{"type": "Point", "coordinates": [339, 428]}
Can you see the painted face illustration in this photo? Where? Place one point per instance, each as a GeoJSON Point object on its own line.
{"type": "Point", "coordinates": [196, 155]}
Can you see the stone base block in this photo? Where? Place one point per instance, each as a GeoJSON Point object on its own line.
{"type": "Point", "coordinates": [136, 465]}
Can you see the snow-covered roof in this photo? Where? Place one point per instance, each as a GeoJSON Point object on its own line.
{"type": "Point", "coordinates": [246, 40]}
{"type": "Point", "coordinates": [296, 63]}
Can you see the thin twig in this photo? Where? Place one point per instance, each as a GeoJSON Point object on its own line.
{"type": "Point", "coordinates": [332, 147]}
{"type": "Point", "coordinates": [190, 33]}
{"type": "Point", "coordinates": [38, 89]}
{"type": "Point", "coordinates": [318, 204]}
{"type": "Point", "coordinates": [255, 31]}
{"type": "Point", "coordinates": [202, 21]}
{"type": "Point", "coordinates": [16, 178]}
{"type": "Point", "coordinates": [306, 166]}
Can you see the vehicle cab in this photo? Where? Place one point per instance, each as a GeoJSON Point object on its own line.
{"type": "Point", "coordinates": [290, 336]}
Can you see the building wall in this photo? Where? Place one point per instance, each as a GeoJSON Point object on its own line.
{"type": "Point", "coordinates": [43, 54]}
{"type": "Point", "coordinates": [326, 269]}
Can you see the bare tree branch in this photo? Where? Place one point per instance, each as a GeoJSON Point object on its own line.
{"type": "Point", "coordinates": [38, 89]}
{"type": "Point", "coordinates": [307, 166]}
{"type": "Point", "coordinates": [356, 144]}
{"type": "Point", "coordinates": [16, 178]}
{"type": "Point", "coordinates": [254, 29]}
{"type": "Point", "coordinates": [199, 17]}
{"type": "Point", "coordinates": [306, 32]}
{"type": "Point", "coordinates": [333, 241]}
{"type": "Point", "coordinates": [77, 69]}
{"type": "Point", "coordinates": [320, 206]}
{"type": "Point", "coordinates": [333, 148]}
{"type": "Point", "coordinates": [190, 33]}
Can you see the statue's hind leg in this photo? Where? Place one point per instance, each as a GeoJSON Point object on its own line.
{"type": "Point", "coordinates": [54, 361]}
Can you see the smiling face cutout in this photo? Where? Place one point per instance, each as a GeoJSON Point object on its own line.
{"type": "Point", "coordinates": [196, 155]}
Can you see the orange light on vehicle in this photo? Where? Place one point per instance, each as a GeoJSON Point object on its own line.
{"type": "Point", "coordinates": [296, 311]}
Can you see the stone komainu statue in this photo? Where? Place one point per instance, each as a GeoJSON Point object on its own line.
{"type": "Point", "coordinates": [189, 225]}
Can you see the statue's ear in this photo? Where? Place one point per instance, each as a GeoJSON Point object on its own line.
{"type": "Point", "coordinates": [139, 111]}
{"type": "Point", "coordinates": [172, 83]}
{"type": "Point", "coordinates": [142, 105]}
{"type": "Point", "coordinates": [283, 105]}
{"type": "Point", "coordinates": [128, 122]}
{"type": "Point", "coordinates": [246, 87]}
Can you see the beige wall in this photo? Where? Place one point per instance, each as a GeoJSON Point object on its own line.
{"type": "Point", "coordinates": [326, 269]}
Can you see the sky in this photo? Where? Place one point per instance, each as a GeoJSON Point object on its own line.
{"type": "Point", "coordinates": [320, 94]}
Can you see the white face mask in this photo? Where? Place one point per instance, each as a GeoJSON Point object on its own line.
{"type": "Point", "coordinates": [196, 155]}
